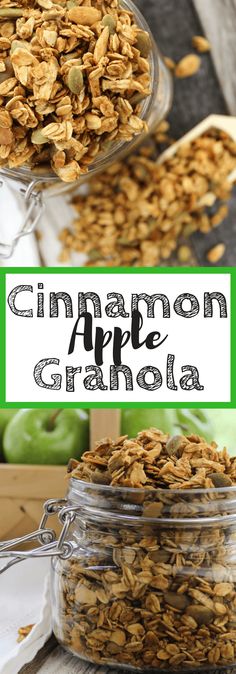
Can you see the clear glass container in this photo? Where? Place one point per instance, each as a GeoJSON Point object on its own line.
{"type": "Point", "coordinates": [151, 581]}
{"type": "Point", "coordinates": [38, 184]}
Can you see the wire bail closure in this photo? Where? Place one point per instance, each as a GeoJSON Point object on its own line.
{"type": "Point", "coordinates": [33, 202]}
{"type": "Point", "coordinates": [49, 546]}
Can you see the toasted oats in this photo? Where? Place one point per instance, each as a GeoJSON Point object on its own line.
{"type": "Point", "coordinates": [188, 66]}
{"type": "Point", "coordinates": [201, 44]}
{"type": "Point", "coordinates": [23, 632]}
{"type": "Point", "coordinates": [153, 595]}
{"type": "Point", "coordinates": [216, 253]}
{"type": "Point", "coordinates": [56, 60]}
{"type": "Point", "coordinates": [136, 211]}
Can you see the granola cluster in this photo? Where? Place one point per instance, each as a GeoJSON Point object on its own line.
{"type": "Point", "coordinates": [155, 460]}
{"type": "Point", "coordinates": [136, 211]}
{"type": "Point", "coordinates": [73, 75]}
{"type": "Point", "coordinates": [144, 593]}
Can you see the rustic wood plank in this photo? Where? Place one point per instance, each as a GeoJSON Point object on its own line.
{"type": "Point", "coordinates": [41, 657]}
{"type": "Point", "coordinates": [103, 424]}
{"type": "Point", "coordinates": [16, 481]}
{"type": "Point", "coordinates": [60, 661]}
{"type": "Point", "coordinates": [219, 26]}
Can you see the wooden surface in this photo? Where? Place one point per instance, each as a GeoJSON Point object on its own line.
{"type": "Point", "coordinates": [104, 424]}
{"type": "Point", "coordinates": [22, 497]}
{"type": "Point", "coordinates": [220, 28]}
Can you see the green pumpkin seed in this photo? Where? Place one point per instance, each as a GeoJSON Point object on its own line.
{"type": "Point", "coordinates": [109, 21]}
{"type": "Point", "coordinates": [174, 444]}
{"type": "Point", "coordinates": [137, 98]}
{"type": "Point", "coordinates": [160, 556]}
{"type": "Point", "coordinates": [71, 3]}
{"type": "Point", "coordinates": [220, 480]}
{"type": "Point", "coordinates": [179, 601]}
{"type": "Point", "coordinates": [143, 43]}
{"type": "Point", "coordinates": [201, 614]}
{"type": "Point", "coordinates": [101, 478]}
{"type": "Point", "coordinates": [37, 138]}
{"type": "Point", "coordinates": [9, 72]}
{"type": "Point", "coordinates": [75, 80]}
{"type": "Point", "coordinates": [19, 44]}
{"type": "Point", "coordinates": [10, 12]}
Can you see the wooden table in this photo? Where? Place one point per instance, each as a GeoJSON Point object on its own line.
{"type": "Point", "coordinates": [173, 24]}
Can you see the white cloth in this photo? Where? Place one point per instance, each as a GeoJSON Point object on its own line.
{"type": "Point", "coordinates": [11, 215]}
{"type": "Point", "coordinates": [24, 600]}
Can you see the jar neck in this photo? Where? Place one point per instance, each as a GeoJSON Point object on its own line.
{"type": "Point", "coordinates": [161, 506]}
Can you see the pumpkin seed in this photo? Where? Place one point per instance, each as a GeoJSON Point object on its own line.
{"type": "Point", "coordinates": [160, 556]}
{"type": "Point", "coordinates": [143, 43]}
{"type": "Point", "coordinates": [19, 44]}
{"type": "Point", "coordinates": [9, 72]}
{"type": "Point", "coordinates": [174, 444]}
{"type": "Point", "coordinates": [137, 98]}
{"type": "Point", "coordinates": [179, 601]}
{"type": "Point", "coordinates": [109, 21]}
{"type": "Point", "coordinates": [101, 478]}
{"type": "Point", "coordinates": [201, 614]}
{"type": "Point", "coordinates": [10, 12]}
{"type": "Point", "coordinates": [75, 80]}
{"type": "Point", "coordinates": [220, 480]}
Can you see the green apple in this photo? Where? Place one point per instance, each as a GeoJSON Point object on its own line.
{"type": "Point", "coordinates": [195, 421]}
{"type": "Point", "coordinates": [224, 422]}
{"type": "Point", "coordinates": [175, 422]}
{"type": "Point", "coordinates": [5, 417]}
{"type": "Point", "coordinates": [46, 436]}
{"type": "Point", "coordinates": [135, 420]}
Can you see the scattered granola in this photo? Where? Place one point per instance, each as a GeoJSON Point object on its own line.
{"type": "Point", "coordinates": [216, 253]}
{"type": "Point", "coordinates": [151, 584]}
{"type": "Point", "coordinates": [201, 44]}
{"type": "Point", "coordinates": [188, 66]}
{"type": "Point", "coordinates": [136, 211]}
{"type": "Point", "coordinates": [23, 632]}
{"type": "Point", "coordinates": [72, 79]}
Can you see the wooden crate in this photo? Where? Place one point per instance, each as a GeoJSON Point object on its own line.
{"type": "Point", "coordinates": [23, 490]}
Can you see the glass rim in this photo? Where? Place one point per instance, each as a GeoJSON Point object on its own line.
{"type": "Point", "coordinates": [158, 490]}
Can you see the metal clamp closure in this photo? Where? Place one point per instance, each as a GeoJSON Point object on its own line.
{"type": "Point", "coordinates": [33, 201]}
{"type": "Point", "coordinates": [49, 546]}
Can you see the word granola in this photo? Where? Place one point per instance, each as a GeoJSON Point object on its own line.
{"type": "Point", "coordinates": [73, 75]}
{"type": "Point", "coordinates": [152, 593]}
{"type": "Point", "coordinates": [135, 212]}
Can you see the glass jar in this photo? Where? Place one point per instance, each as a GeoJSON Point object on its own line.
{"type": "Point", "coordinates": [38, 184]}
{"type": "Point", "coordinates": [151, 581]}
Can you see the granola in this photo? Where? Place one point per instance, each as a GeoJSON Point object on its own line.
{"type": "Point", "coordinates": [24, 632]}
{"type": "Point", "coordinates": [150, 586]}
{"type": "Point", "coordinates": [135, 213]}
{"type": "Point", "coordinates": [155, 460]}
{"type": "Point", "coordinates": [73, 75]}
{"type": "Point", "coordinates": [188, 66]}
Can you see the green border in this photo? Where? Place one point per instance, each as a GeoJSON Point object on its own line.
{"type": "Point", "coordinates": [116, 270]}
